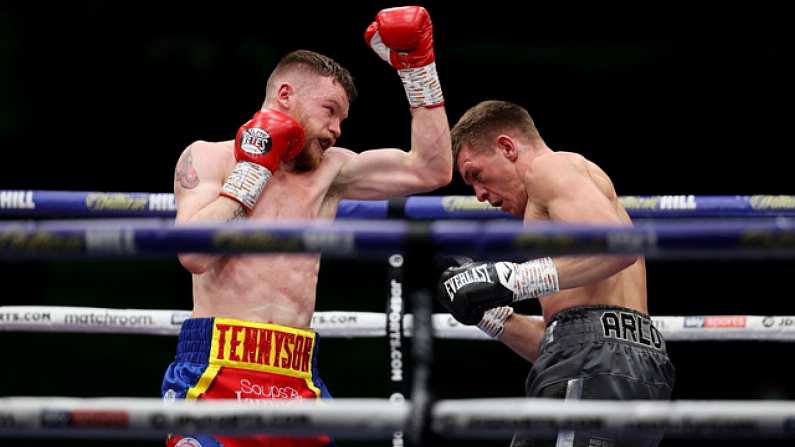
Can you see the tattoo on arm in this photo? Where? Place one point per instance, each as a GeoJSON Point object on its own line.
{"type": "Point", "coordinates": [240, 213]}
{"type": "Point", "coordinates": [186, 174]}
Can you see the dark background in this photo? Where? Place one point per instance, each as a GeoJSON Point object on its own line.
{"type": "Point", "coordinates": [667, 99]}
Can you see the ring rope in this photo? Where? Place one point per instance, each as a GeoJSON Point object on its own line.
{"type": "Point", "coordinates": [379, 418]}
{"type": "Point", "coordinates": [478, 418]}
{"type": "Point", "coordinates": [140, 204]}
{"type": "Point", "coordinates": [343, 324]}
{"type": "Point", "coordinates": [154, 418]}
{"type": "Point", "coordinates": [703, 239]}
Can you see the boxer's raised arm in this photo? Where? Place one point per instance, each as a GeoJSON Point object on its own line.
{"type": "Point", "coordinates": [384, 173]}
{"type": "Point", "coordinates": [403, 37]}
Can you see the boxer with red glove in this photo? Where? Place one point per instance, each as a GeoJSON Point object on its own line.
{"type": "Point", "coordinates": [261, 144]}
{"type": "Point", "coordinates": [403, 37]}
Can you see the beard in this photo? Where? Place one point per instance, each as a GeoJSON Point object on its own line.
{"type": "Point", "coordinates": [309, 158]}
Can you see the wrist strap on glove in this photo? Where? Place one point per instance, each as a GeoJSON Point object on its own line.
{"type": "Point", "coordinates": [531, 279]}
{"type": "Point", "coordinates": [245, 183]}
{"type": "Point", "coordinates": [422, 86]}
{"type": "Point", "coordinates": [493, 322]}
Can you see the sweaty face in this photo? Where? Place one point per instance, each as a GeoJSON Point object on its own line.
{"type": "Point", "coordinates": [494, 179]}
{"type": "Point", "coordinates": [321, 106]}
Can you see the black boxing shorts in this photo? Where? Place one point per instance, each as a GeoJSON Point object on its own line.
{"type": "Point", "coordinates": [604, 353]}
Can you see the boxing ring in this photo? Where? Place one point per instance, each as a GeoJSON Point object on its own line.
{"type": "Point", "coordinates": [667, 227]}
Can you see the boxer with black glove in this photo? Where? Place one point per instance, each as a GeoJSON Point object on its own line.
{"type": "Point", "coordinates": [596, 339]}
{"type": "Point", "coordinates": [479, 293]}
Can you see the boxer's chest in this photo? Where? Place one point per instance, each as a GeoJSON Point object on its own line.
{"type": "Point", "coordinates": [294, 196]}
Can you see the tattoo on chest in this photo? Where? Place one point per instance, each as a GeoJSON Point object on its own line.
{"type": "Point", "coordinates": [186, 174]}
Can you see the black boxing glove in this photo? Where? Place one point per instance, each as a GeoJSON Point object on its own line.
{"type": "Point", "coordinates": [468, 291]}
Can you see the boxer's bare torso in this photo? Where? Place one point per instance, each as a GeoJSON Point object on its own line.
{"type": "Point", "coordinates": [267, 288]}
{"type": "Point", "coordinates": [626, 288]}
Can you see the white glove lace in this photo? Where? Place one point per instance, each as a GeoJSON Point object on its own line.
{"type": "Point", "coordinates": [493, 321]}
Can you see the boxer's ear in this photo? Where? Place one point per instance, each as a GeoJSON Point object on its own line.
{"type": "Point", "coordinates": [507, 147]}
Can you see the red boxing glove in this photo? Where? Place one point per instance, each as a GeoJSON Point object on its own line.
{"type": "Point", "coordinates": [404, 38]}
{"type": "Point", "coordinates": [406, 30]}
{"type": "Point", "coordinates": [260, 146]}
{"type": "Point", "coordinates": [268, 138]}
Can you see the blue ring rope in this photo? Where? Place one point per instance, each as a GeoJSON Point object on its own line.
{"type": "Point", "coordinates": [130, 204]}
{"type": "Point", "coordinates": [754, 238]}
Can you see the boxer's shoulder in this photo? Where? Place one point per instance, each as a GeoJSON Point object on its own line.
{"type": "Point", "coordinates": [208, 157]}
{"type": "Point", "coordinates": [335, 158]}
{"type": "Point", "coordinates": [338, 154]}
{"type": "Point", "coordinates": [210, 150]}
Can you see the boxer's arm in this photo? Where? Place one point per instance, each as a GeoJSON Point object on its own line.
{"type": "Point", "coordinates": [383, 173]}
{"type": "Point", "coordinates": [197, 180]}
{"type": "Point", "coordinates": [403, 37]}
{"type": "Point", "coordinates": [523, 334]}
{"type": "Point", "coordinates": [566, 189]}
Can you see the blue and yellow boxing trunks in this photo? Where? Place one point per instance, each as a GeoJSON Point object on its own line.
{"type": "Point", "coordinates": [220, 358]}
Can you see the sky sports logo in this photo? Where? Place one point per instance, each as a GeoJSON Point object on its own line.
{"type": "Point", "coordinates": [716, 321]}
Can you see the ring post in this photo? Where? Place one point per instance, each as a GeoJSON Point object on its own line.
{"type": "Point", "coordinates": [396, 340]}
{"type": "Point", "coordinates": [419, 261]}
{"type": "Point", "coordinates": [419, 420]}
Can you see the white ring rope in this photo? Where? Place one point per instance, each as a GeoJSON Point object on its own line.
{"type": "Point", "coordinates": [470, 418]}
{"type": "Point", "coordinates": [379, 418]}
{"type": "Point", "coordinates": [367, 324]}
{"type": "Point", "coordinates": [154, 418]}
